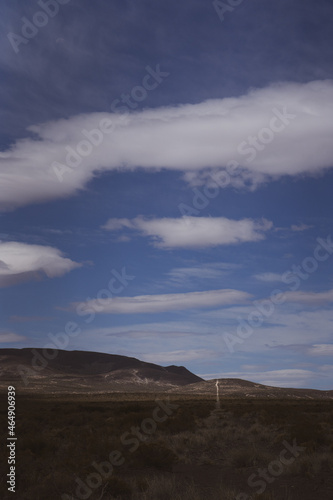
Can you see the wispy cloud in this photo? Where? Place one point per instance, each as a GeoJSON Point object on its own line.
{"type": "Point", "coordinates": [166, 302]}
{"type": "Point", "coordinates": [268, 277]}
{"type": "Point", "coordinates": [194, 232]}
{"type": "Point", "coordinates": [291, 326]}
{"type": "Point", "coordinates": [209, 271]}
{"type": "Point", "coordinates": [310, 298]}
{"type": "Point", "coordinates": [321, 350]}
{"type": "Point", "coordinates": [300, 227]}
{"type": "Point", "coordinates": [7, 337]}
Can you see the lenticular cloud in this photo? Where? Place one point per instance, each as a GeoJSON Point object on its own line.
{"type": "Point", "coordinates": [284, 129]}
{"type": "Point", "coordinates": [194, 232]}
{"type": "Point", "coordinates": [22, 262]}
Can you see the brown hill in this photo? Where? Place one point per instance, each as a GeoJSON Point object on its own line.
{"type": "Point", "coordinates": [238, 388]}
{"type": "Point", "coordinates": [84, 371]}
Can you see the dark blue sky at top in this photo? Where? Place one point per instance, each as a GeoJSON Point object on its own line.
{"type": "Point", "coordinates": [87, 56]}
{"type": "Point", "coordinates": [108, 45]}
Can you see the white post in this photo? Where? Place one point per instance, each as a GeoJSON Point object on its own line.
{"type": "Point", "coordinates": [217, 395]}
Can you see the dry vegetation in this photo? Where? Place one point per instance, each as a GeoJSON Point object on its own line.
{"type": "Point", "coordinates": [197, 453]}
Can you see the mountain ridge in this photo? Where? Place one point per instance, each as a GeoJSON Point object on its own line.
{"type": "Point", "coordinates": [56, 371]}
{"type": "Point", "coordinates": [78, 369]}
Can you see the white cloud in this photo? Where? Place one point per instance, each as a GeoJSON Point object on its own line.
{"type": "Point", "coordinates": [166, 302]}
{"type": "Point", "coordinates": [208, 271]}
{"type": "Point", "coordinates": [188, 138]}
{"type": "Point", "coordinates": [326, 368]}
{"type": "Point", "coordinates": [194, 232]}
{"type": "Point", "coordinates": [268, 277]}
{"type": "Point", "coordinates": [321, 350]}
{"type": "Point", "coordinates": [21, 262]}
{"type": "Point", "coordinates": [310, 298]}
{"type": "Point", "coordinates": [8, 337]}
{"type": "Point", "coordinates": [116, 224]}
{"type": "Point", "coordinates": [300, 227]}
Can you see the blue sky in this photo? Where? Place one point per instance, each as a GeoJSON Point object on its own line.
{"type": "Point", "coordinates": [166, 179]}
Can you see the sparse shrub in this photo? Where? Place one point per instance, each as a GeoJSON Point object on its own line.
{"type": "Point", "coordinates": [267, 495]}
{"type": "Point", "coordinates": [142, 484]}
{"type": "Point", "coordinates": [38, 446]}
{"type": "Point", "coordinates": [249, 457]}
{"type": "Point", "coordinates": [312, 464]}
{"type": "Point", "coordinates": [182, 420]}
{"type": "Point", "coordinates": [155, 455]}
{"type": "Point", "coordinates": [118, 488]}
{"type": "Point", "coordinates": [241, 458]}
{"type": "Point", "coordinates": [67, 437]}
